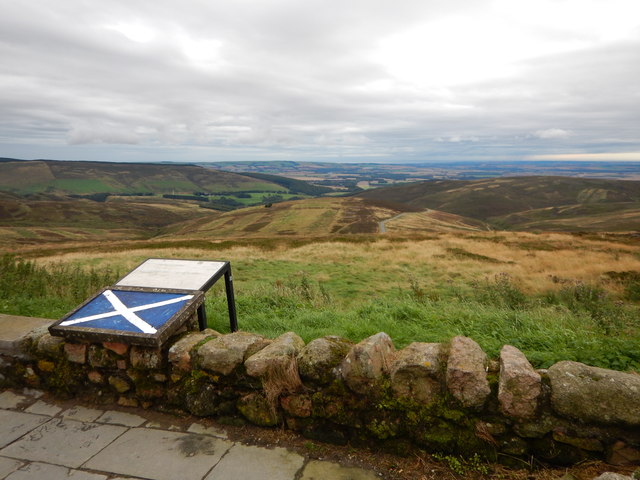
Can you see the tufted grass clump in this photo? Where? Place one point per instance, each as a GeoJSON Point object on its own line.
{"type": "Point", "coordinates": [52, 291]}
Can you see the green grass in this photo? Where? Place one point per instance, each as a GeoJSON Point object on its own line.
{"type": "Point", "coordinates": [30, 290]}
{"type": "Point", "coordinates": [579, 322]}
{"type": "Point", "coordinates": [68, 185]}
{"type": "Point", "coordinates": [256, 198]}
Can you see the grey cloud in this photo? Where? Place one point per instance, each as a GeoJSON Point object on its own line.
{"type": "Point", "coordinates": [292, 79]}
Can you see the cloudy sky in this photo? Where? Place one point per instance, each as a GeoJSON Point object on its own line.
{"type": "Point", "coordinates": [326, 80]}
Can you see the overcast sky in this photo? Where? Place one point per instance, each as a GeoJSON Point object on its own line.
{"type": "Point", "coordinates": [327, 80]}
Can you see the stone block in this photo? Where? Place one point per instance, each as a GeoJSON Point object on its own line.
{"type": "Point", "coordinates": [76, 352]}
{"type": "Point", "coordinates": [255, 408]}
{"type": "Point", "coordinates": [99, 357]}
{"type": "Point", "coordinates": [50, 345]}
{"type": "Point", "coordinates": [318, 360]}
{"type": "Point", "coordinates": [225, 353]}
{"type": "Point", "coordinates": [180, 355]}
{"type": "Point", "coordinates": [592, 394]}
{"type": "Point", "coordinates": [46, 366]}
{"type": "Point", "coordinates": [95, 377]}
{"type": "Point", "coordinates": [621, 453]}
{"type": "Point", "coordinates": [466, 372]}
{"type": "Point", "coordinates": [613, 476]}
{"type": "Point", "coordinates": [367, 362]}
{"type": "Point", "coordinates": [520, 385]}
{"type": "Point", "coordinates": [128, 402]}
{"type": "Point", "coordinates": [297, 405]}
{"type": "Point", "coordinates": [142, 357]}
{"type": "Point", "coordinates": [116, 347]}
{"type": "Point", "coordinates": [120, 384]}
{"type": "Point", "coordinates": [416, 372]}
{"type": "Point", "coordinates": [17, 334]}
{"type": "Point", "coordinates": [277, 354]}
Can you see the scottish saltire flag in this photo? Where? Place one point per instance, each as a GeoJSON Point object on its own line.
{"type": "Point", "coordinates": [128, 311]}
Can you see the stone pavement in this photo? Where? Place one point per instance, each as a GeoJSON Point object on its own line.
{"type": "Point", "coordinates": [42, 439]}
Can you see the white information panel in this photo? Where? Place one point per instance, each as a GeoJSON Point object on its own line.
{"type": "Point", "coordinates": [170, 273]}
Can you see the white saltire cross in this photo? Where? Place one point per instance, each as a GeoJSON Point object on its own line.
{"type": "Point", "coordinates": [126, 312]}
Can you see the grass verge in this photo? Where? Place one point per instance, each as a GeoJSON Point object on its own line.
{"type": "Point", "coordinates": [578, 321]}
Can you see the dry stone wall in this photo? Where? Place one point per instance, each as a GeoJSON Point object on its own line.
{"type": "Point", "coordinates": [439, 397]}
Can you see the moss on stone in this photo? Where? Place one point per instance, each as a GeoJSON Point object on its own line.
{"type": "Point", "coordinates": [65, 378]}
{"type": "Point", "coordinates": [255, 408]}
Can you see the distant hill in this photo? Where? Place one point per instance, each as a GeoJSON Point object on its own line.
{"type": "Point", "coordinates": [117, 212]}
{"type": "Point", "coordinates": [293, 185]}
{"type": "Point", "coordinates": [553, 203]}
{"type": "Point", "coordinates": [69, 177]}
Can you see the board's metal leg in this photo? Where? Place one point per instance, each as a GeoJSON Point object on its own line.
{"type": "Point", "coordinates": [202, 317]}
{"type": "Point", "coordinates": [231, 301]}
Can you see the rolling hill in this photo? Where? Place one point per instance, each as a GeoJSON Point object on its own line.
{"type": "Point", "coordinates": [48, 217]}
{"type": "Point", "coordinates": [553, 203]}
{"type": "Point", "coordinates": [322, 217]}
{"type": "Point", "coordinates": [67, 177]}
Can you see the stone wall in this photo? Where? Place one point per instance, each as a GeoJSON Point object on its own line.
{"type": "Point", "coordinates": [439, 397]}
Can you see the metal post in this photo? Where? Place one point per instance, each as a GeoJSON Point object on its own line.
{"type": "Point", "coordinates": [202, 316]}
{"type": "Point", "coordinates": [231, 302]}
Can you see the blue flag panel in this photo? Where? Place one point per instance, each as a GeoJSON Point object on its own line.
{"type": "Point", "coordinates": [128, 311]}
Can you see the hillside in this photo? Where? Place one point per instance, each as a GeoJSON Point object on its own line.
{"type": "Point", "coordinates": [66, 177]}
{"type": "Point", "coordinates": [322, 217]}
{"type": "Point", "coordinates": [554, 203]}
{"type": "Point", "coordinates": [47, 217]}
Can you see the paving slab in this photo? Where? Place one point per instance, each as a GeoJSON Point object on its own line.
{"type": "Point", "coordinates": [82, 414]}
{"type": "Point", "coordinates": [14, 329]}
{"type": "Point", "coordinates": [205, 430]}
{"type": "Point", "coordinates": [127, 478]}
{"type": "Point", "coordinates": [115, 417]}
{"type": "Point", "coordinates": [160, 455]}
{"type": "Point", "coordinates": [317, 470]}
{"type": "Point", "coordinates": [63, 442]}
{"type": "Point", "coordinates": [33, 471]}
{"type": "Point", "coordinates": [8, 465]}
{"type": "Point", "coordinates": [44, 408]}
{"type": "Point", "coordinates": [14, 425]}
{"type": "Point", "coordinates": [8, 399]}
{"type": "Point", "coordinates": [250, 463]}
{"type": "Point", "coordinates": [164, 426]}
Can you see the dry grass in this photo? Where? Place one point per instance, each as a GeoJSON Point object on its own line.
{"type": "Point", "coordinates": [432, 221]}
{"type": "Point", "coordinates": [535, 263]}
{"type": "Point", "coordinates": [281, 377]}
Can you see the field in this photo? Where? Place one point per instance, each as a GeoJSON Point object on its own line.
{"type": "Point", "coordinates": [555, 296]}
